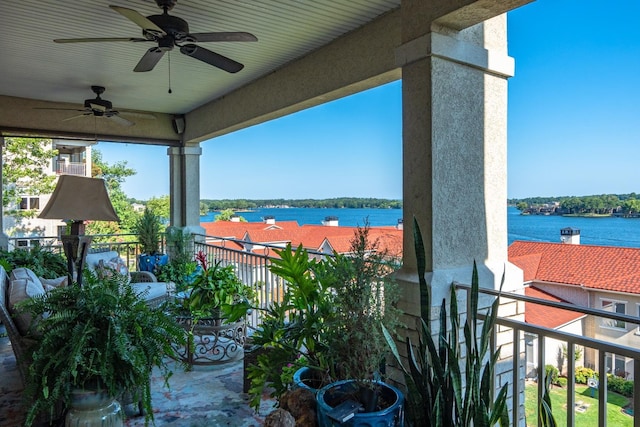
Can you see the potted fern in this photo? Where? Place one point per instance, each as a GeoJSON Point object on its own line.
{"type": "Point", "coordinates": [99, 340]}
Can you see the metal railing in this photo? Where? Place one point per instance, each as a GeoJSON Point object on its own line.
{"type": "Point", "coordinates": [126, 245]}
{"type": "Point", "coordinates": [601, 349]}
{"type": "Point", "coordinates": [251, 262]}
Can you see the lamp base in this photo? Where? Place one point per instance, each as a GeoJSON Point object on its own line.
{"type": "Point", "coordinates": [75, 248]}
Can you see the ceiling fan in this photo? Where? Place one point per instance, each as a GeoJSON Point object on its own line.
{"type": "Point", "coordinates": [168, 31]}
{"type": "Point", "coordinates": [99, 107]}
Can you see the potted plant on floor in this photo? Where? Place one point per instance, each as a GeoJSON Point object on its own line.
{"type": "Point", "coordinates": [147, 227]}
{"type": "Point", "coordinates": [365, 299]}
{"type": "Point", "coordinates": [294, 332]}
{"type": "Point", "coordinates": [100, 339]}
{"type": "Point", "coordinates": [330, 320]}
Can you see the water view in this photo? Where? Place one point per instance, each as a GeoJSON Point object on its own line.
{"type": "Point", "coordinates": [593, 231]}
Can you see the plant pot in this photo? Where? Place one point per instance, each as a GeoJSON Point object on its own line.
{"type": "Point", "coordinates": [305, 378]}
{"type": "Point", "coordinates": [390, 400]}
{"type": "Point", "coordinates": [93, 408]}
{"type": "Point", "coordinates": [149, 262]}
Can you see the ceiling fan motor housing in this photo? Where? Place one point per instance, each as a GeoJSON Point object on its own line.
{"type": "Point", "coordinates": [175, 27]}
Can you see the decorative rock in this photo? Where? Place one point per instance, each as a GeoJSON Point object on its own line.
{"type": "Point", "coordinates": [279, 418]}
{"type": "Point", "coordinates": [301, 403]}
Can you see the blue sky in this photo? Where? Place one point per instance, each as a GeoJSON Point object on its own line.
{"type": "Point", "coordinates": [574, 123]}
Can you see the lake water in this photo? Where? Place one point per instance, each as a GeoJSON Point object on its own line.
{"type": "Point", "coordinates": [593, 231]}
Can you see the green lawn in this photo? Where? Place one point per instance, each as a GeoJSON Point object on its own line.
{"type": "Point", "coordinates": [588, 418]}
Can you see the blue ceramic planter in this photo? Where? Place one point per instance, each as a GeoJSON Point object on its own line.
{"type": "Point", "coordinates": [302, 378]}
{"type": "Point", "coordinates": [332, 395]}
{"type": "Point", "coordinates": [149, 262]}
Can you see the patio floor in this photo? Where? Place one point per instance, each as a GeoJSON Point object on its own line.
{"type": "Point", "coordinates": [199, 398]}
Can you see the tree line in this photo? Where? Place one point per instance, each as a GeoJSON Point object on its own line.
{"type": "Point", "coordinates": [604, 204]}
{"type": "Point", "coordinates": [335, 203]}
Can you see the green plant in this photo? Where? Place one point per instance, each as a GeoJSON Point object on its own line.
{"type": "Point", "coordinates": [551, 372]}
{"type": "Point", "coordinates": [562, 382]}
{"type": "Point", "coordinates": [147, 227]}
{"type": "Point", "coordinates": [620, 385]}
{"type": "Point", "coordinates": [181, 264]}
{"type": "Point", "coordinates": [583, 374]}
{"type": "Point", "coordinates": [545, 407]}
{"type": "Point", "coordinates": [101, 332]}
{"type": "Point", "coordinates": [438, 394]}
{"type": "Point", "coordinates": [217, 288]}
{"type": "Point", "coordinates": [42, 262]}
{"type": "Point", "coordinates": [365, 299]}
{"type": "Point", "coordinates": [300, 325]}
{"type": "Point", "coordinates": [330, 317]}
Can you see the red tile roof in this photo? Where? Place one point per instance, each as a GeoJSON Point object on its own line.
{"type": "Point", "coordinates": [548, 317]}
{"type": "Point", "coordinates": [609, 268]}
{"type": "Point", "coordinates": [310, 236]}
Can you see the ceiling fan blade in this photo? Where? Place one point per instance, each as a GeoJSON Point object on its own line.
{"type": "Point", "coordinates": [149, 60]}
{"type": "Point", "coordinates": [102, 39]}
{"type": "Point", "coordinates": [211, 58]}
{"type": "Point", "coordinates": [119, 120]}
{"type": "Point", "coordinates": [75, 117]}
{"type": "Point", "coordinates": [59, 109]}
{"type": "Point", "coordinates": [139, 20]}
{"type": "Point", "coordinates": [224, 37]}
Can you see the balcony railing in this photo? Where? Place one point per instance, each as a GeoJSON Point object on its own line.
{"type": "Point", "coordinates": [602, 349]}
{"type": "Point", "coordinates": [252, 265]}
{"type": "Point", "coordinates": [71, 168]}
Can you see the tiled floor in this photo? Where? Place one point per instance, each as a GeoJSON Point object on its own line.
{"type": "Point", "coordinates": [199, 398]}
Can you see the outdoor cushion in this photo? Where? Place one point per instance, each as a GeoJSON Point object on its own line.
{"type": "Point", "coordinates": [49, 284]}
{"type": "Point", "coordinates": [20, 290]}
{"type": "Point", "coordinates": [112, 266]}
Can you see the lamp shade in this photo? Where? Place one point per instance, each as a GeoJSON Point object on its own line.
{"type": "Point", "coordinates": [79, 198]}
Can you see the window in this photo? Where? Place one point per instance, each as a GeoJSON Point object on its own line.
{"type": "Point", "coordinates": [29, 203]}
{"type": "Point", "coordinates": [612, 306]}
{"type": "Point", "coordinates": [615, 365]}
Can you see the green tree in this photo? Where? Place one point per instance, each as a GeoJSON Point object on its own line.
{"type": "Point", "coordinates": [114, 175]}
{"type": "Point", "coordinates": [226, 214]}
{"type": "Point", "coordinates": [160, 206]}
{"type": "Point", "coordinates": [24, 171]}
{"type": "Point", "coordinates": [521, 206]}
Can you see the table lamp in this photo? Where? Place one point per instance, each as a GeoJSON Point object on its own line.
{"type": "Point", "coordinates": [78, 199]}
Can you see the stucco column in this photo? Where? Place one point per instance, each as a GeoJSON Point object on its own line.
{"type": "Point", "coordinates": [455, 151]}
{"type": "Point", "coordinates": [184, 183]}
{"type": "Point", "coordinates": [4, 239]}
{"type": "Point", "coordinates": [454, 90]}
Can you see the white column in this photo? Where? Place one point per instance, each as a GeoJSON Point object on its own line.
{"type": "Point", "coordinates": [184, 167]}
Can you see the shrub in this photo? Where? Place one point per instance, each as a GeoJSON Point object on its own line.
{"type": "Point", "coordinates": [552, 371]}
{"type": "Point", "coordinates": [620, 385]}
{"type": "Point", "coordinates": [583, 374]}
{"type": "Point", "coordinates": [562, 382]}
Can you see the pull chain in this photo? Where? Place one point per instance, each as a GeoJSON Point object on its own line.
{"type": "Point", "coordinates": [169, 62]}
